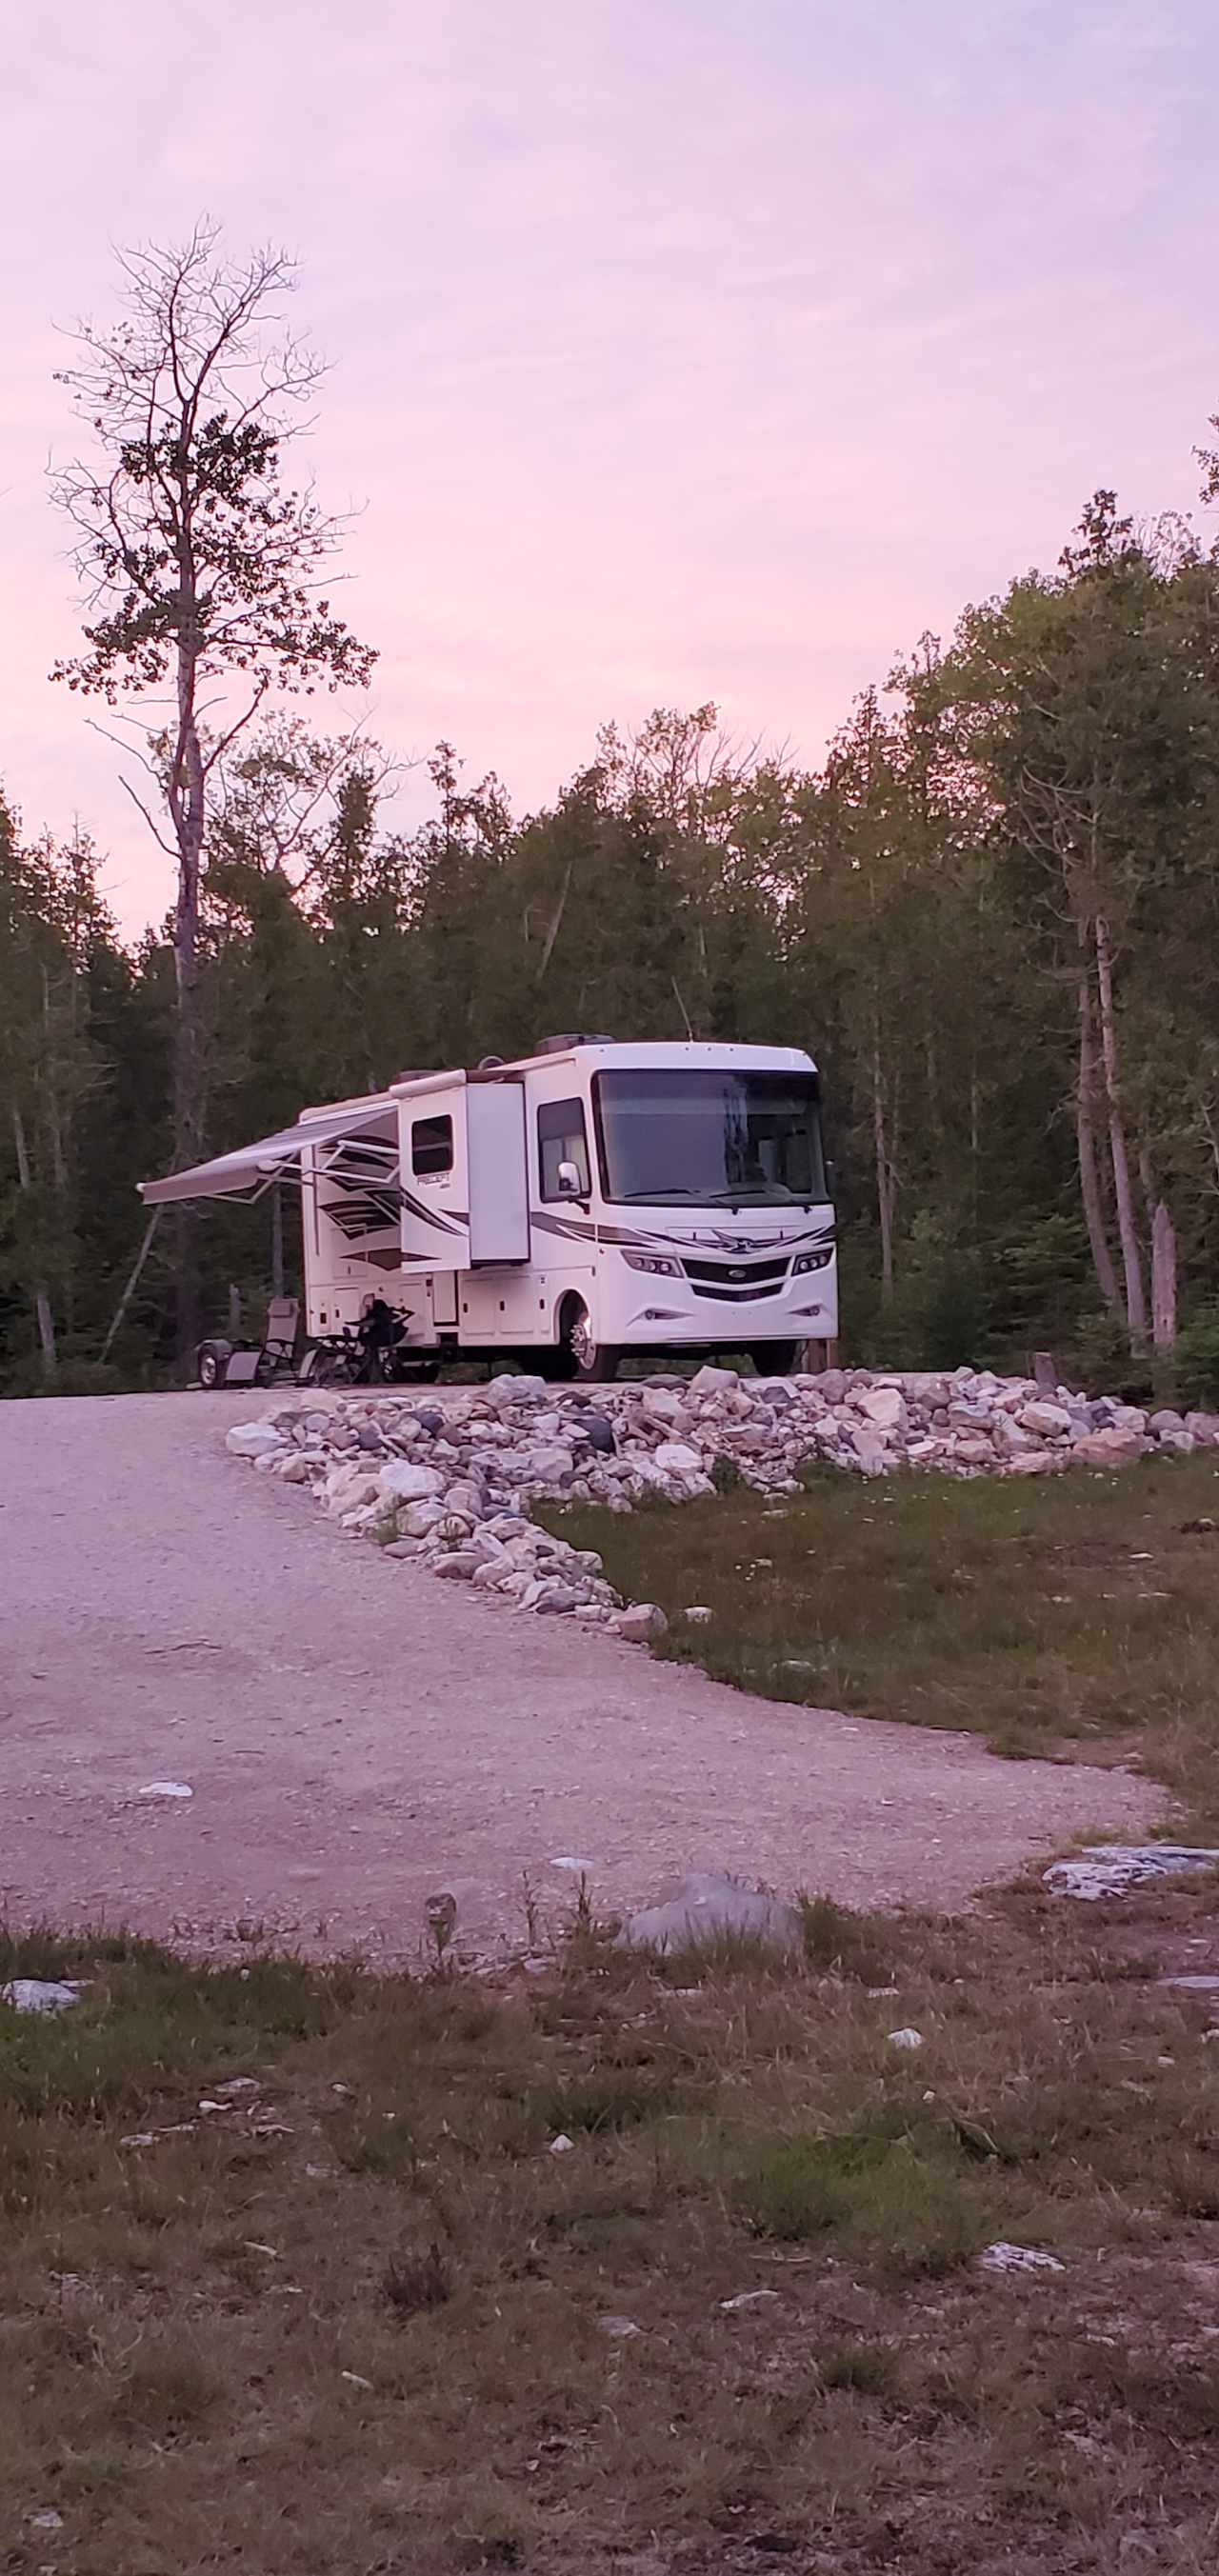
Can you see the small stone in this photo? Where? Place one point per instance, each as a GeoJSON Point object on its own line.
{"type": "Point", "coordinates": [1047, 1420]}
{"type": "Point", "coordinates": [457, 1568]}
{"type": "Point", "coordinates": [677, 1459]}
{"type": "Point", "coordinates": [642, 1621]}
{"type": "Point", "coordinates": [555, 1599]}
{"type": "Point", "coordinates": [561, 2146]}
{"type": "Point", "coordinates": [713, 1381]}
{"type": "Point", "coordinates": [698, 1615]}
{"type": "Point", "coordinates": [618, 2329]}
{"type": "Point", "coordinates": [166, 1789]}
{"type": "Point", "coordinates": [47, 2520]}
{"type": "Point", "coordinates": [403, 1482]}
{"type": "Point", "coordinates": [598, 1432]}
{"type": "Point", "coordinates": [907, 2039]}
{"type": "Point", "coordinates": [403, 1547]}
{"type": "Point", "coordinates": [749, 2299]}
{"type": "Point", "coordinates": [885, 1406]}
{"type": "Point", "coordinates": [1017, 2258]}
{"type": "Point", "coordinates": [251, 1439]}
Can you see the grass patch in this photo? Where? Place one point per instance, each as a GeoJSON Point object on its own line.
{"type": "Point", "coordinates": [1077, 1615]}
{"type": "Point", "coordinates": [355, 2316]}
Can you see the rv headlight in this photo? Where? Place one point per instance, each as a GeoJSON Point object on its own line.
{"type": "Point", "coordinates": [654, 1261]}
{"type": "Point", "coordinates": [812, 1261]}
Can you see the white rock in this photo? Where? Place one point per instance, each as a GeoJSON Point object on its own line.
{"type": "Point", "coordinates": [698, 1614]}
{"type": "Point", "coordinates": [1112, 1448]}
{"type": "Point", "coordinates": [403, 1482]}
{"type": "Point", "coordinates": [166, 1789]}
{"type": "Point", "coordinates": [251, 1439]}
{"type": "Point", "coordinates": [39, 1995]}
{"type": "Point", "coordinates": [1046, 1419]}
{"type": "Point", "coordinates": [1017, 2258]}
{"type": "Point", "coordinates": [639, 1622]}
{"type": "Point", "coordinates": [885, 1406]}
{"type": "Point", "coordinates": [1113, 1869]}
{"type": "Point", "coordinates": [713, 1381]}
{"type": "Point", "coordinates": [562, 2145]}
{"type": "Point", "coordinates": [908, 2039]}
{"type": "Point", "coordinates": [703, 1908]}
{"type": "Point", "coordinates": [618, 2329]}
{"type": "Point", "coordinates": [749, 2299]}
{"type": "Point", "coordinates": [677, 1459]}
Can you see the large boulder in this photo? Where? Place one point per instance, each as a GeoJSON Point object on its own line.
{"type": "Point", "coordinates": [703, 1909]}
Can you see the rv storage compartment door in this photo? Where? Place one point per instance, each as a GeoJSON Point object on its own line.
{"type": "Point", "coordinates": [499, 1171]}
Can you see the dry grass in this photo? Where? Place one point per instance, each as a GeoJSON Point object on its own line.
{"type": "Point", "coordinates": [356, 2321]}
{"type": "Point", "coordinates": [1074, 1615]}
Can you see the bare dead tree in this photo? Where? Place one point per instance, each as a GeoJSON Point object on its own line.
{"type": "Point", "coordinates": [202, 569]}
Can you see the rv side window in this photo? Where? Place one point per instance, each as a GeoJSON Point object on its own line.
{"type": "Point", "coordinates": [562, 1139]}
{"type": "Point", "coordinates": [431, 1147]}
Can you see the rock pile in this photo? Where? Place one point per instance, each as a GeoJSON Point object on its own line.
{"type": "Point", "coordinates": [450, 1482]}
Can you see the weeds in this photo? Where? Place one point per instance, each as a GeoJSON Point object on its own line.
{"type": "Point", "coordinates": [355, 2318]}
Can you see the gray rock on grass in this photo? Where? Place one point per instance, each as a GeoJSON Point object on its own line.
{"type": "Point", "coordinates": [704, 1909]}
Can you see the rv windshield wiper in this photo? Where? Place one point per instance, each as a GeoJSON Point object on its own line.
{"type": "Point", "coordinates": [751, 1196]}
{"type": "Point", "coordinates": [661, 1190]}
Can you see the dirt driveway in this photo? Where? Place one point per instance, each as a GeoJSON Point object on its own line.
{"type": "Point", "coordinates": [356, 1734]}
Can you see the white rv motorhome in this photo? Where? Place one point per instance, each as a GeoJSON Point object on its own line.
{"type": "Point", "coordinates": [591, 1199]}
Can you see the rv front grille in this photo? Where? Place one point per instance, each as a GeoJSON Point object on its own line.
{"type": "Point", "coordinates": [738, 1296]}
{"type": "Point", "coordinates": [749, 1275]}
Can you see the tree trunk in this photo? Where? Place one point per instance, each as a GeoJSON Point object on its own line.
{"type": "Point", "coordinates": [1163, 1261]}
{"type": "Point", "coordinates": [1163, 1279]}
{"type": "Point", "coordinates": [188, 811]}
{"type": "Point", "coordinates": [43, 1318]}
{"type": "Point", "coordinates": [1132, 1259]}
{"type": "Point", "coordinates": [1085, 1135]}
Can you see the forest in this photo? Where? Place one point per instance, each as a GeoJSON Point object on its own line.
{"type": "Point", "coordinates": [992, 913]}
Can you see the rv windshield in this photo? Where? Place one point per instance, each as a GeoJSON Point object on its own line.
{"type": "Point", "coordinates": [730, 1139]}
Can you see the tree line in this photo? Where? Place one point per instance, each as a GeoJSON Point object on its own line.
{"type": "Point", "coordinates": [991, 911]}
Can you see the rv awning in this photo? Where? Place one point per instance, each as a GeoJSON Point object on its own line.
{"type": "Point", "coordinates": [247, 1172]}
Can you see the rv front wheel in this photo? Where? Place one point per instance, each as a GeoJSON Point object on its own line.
{"type": "Point", "coordinates": [581, 1356]}
{"type": "Point", "coordinates": [776, 1359]}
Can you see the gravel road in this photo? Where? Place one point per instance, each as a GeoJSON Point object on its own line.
{"type": "Point", "coordinates": [356, 1734]}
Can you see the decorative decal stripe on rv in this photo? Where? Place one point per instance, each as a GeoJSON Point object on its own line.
{"type": "Point", "coordinates": [369, 1215]}
{"type": "Point", "coordinates": [568, 1228]}
{"type": "Point", "coordinates": [433, 1216]}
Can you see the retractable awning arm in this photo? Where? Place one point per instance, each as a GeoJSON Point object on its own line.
{"type": "Point", "coordinates": [243, 1176]}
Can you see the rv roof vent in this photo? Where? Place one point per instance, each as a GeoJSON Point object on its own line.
{"type": "Point", "coordinates": [572, 1038]}
{"type": "Point", "coordinates": [490, 1063]}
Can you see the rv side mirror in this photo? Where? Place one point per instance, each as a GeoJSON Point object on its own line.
{"type": "Point", "coordinates": [569, 1181]}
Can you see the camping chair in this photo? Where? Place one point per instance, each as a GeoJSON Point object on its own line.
{"type": "Point", "coordinates": [280, 1338]}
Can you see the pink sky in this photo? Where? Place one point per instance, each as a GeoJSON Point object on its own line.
{"type": "Point", "coordinates": [682, 349]}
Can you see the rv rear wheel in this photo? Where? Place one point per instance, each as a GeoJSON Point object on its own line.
{"type": "Point", "coordinates": [580, 1355]}
{"type": "Point", "coordinates": [211, 1362]}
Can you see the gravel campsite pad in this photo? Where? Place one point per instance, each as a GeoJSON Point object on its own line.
{"type": "Point", "coordinates": [356, 1735]}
